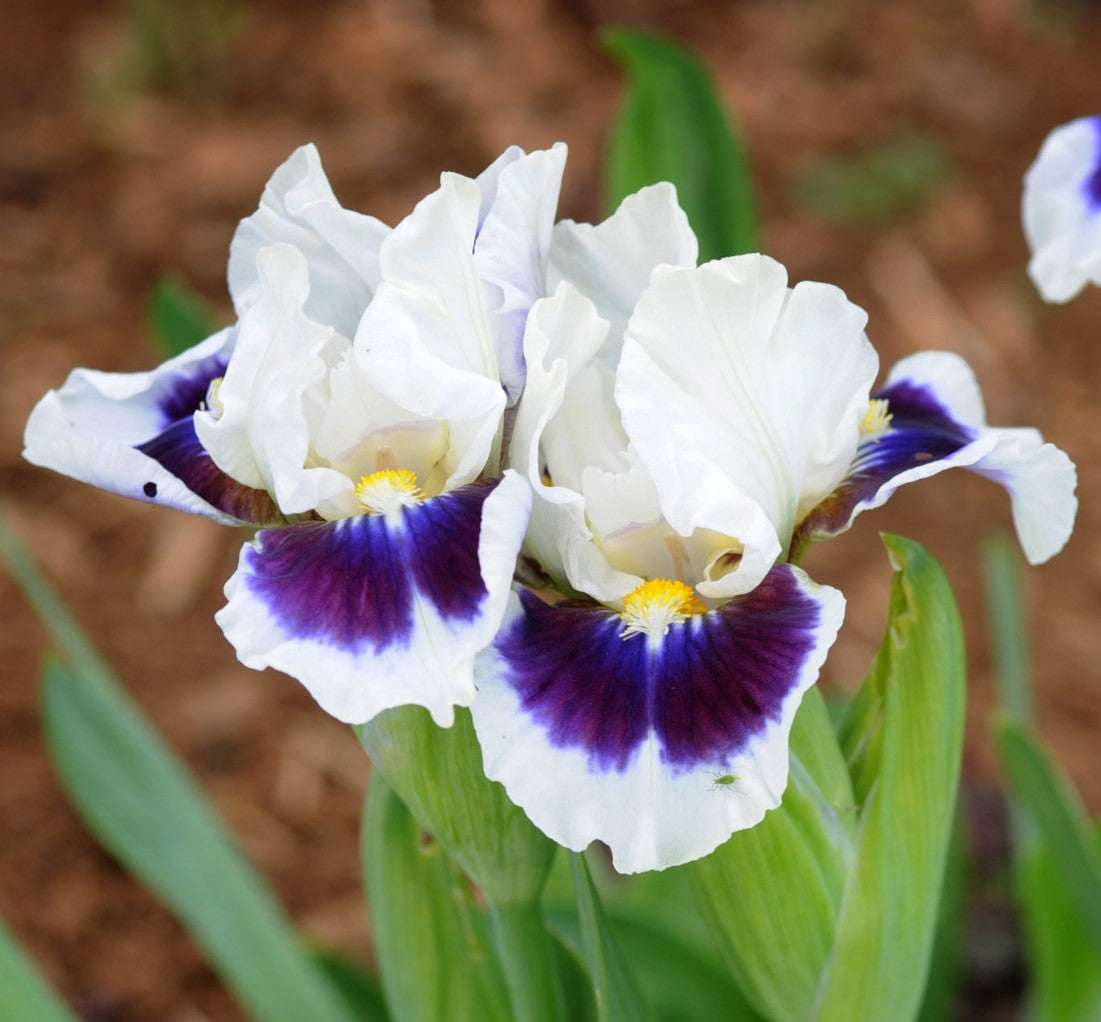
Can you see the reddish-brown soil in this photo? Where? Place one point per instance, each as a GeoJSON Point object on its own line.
{"type": "Point", "coordinates": [100, 196]}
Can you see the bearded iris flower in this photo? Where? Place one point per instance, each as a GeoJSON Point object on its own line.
{"type": "Point", "coordinates": [356, 412]}
{"type": "Point", "coordinates": [1061, 209]}
{"type": "Point", "coordinates": [402, 412]}
{"type": "Point", "coordinates": [673, 641]}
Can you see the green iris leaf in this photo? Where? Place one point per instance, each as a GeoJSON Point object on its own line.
{"type": "Point", "coordinates": [141, 803]}
{"type": "Point", "coordinates": [673, 127]}
{"type": "Point", "coordinates": [24, 994]}
{"type": "Point", "coordinates": [434, 951]}
{"type": "Point", "coordinates": [177, 316]}
{"type": "Point", "coordinates": [617, 994]}
{"type": "Point", "coordinates": [903, 739]}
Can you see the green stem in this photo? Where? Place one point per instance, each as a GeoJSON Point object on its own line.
{"type": "Point", "coordinates": [524, 950]}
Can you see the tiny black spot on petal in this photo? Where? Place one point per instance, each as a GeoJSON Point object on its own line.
{"type": "Point", "coordinates": [150, 489]}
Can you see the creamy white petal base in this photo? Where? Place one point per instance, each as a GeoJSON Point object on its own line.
{"type": "Point", "coordinates": [743, 398]}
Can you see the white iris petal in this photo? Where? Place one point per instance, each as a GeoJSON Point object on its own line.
{"type": "Point", "coordinates": [1061, 210]}
{"type": "Point", "coordinates": [731, 382]}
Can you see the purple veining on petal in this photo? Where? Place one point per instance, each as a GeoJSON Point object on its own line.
{"type": "Point", "coordinates": [921, 431]}
{"type": "Point", "coordinates": [181, 395]}
{"type": "Point", "coordinates": [351, 583]}
{"type": "Point", "coordinates": [339, 582]}
{"type": "Point", "coordinates": [717, 680]}
{"type": "Point", "coordinates": [442, 548]}
{"type": "Point", "coordinates": [1092, 183]}
{"type": "Point", "coordinates": [177, 449]}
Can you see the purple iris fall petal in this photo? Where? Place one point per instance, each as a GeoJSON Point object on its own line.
{"type": "Point", "coordinates": [717, 679]}
{"type": "Point", "coordinates": [601, 731]}
{"type": "Point", "coordinates": [382, 610]}
{"type": "Point", "coordinates": [177, 448]}
{"type": "Point", "coordinates": [1093, 180]}
{"type": "Point", "coordinates": [351, 583]}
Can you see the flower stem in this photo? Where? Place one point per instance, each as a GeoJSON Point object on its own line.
{"type": "Point", "coordinates": [525, 953]}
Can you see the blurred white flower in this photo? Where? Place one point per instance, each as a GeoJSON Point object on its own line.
{"type": "Point", "coordinates": [1061, 209]}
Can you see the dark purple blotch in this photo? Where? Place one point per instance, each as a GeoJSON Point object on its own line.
{"type": "Point", "coordinates": [922, 430]}
{"type": "Point", "coordinates": [351, 583]}
{"type": "Point", "coordinates": [178, 451]}
{"type": "Point", "coordinates": [183, 393]}
{"type": "Point", "coordinates": [176, 447]}
{"type": "Point", "coordinates": [717, 680]}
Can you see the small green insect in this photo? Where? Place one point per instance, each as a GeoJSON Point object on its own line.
{"type": "Point", "coordinates": [723, 782]}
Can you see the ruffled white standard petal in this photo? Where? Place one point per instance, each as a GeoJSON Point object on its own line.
{"type": "Point", "coordinates": [1061, 210]}
{"type": "Point", "coordinates": [511, 249]}
{"type": "Point", "coordinates": [563, 336]}
{"type": "Point", "coordinates": [663, 746]}
{"type": "Point", "coordinates": [340, 246]}
{"type": "Point", "coordinates": [743, 399]}
{"type": "Point", "coordinates": [262, 432]}
{"type": "Point", "coordinates": [611, 263]}
{"type": "Point", "coordinates": [378, 611]}
{"type": "Point", "coordinates": [937, 422]}
{"type": "Point", "coordinates": [431, 253]}
{"type": "Point", "coordinates": [394, 399]}
{"type": "Point", "coordinates": [488, 180]}
{"type": "Point", "coordinates": [95, 428]}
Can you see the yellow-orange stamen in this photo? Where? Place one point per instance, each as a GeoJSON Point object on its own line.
{"type": "Point", "coordinates": [213, 400]}
{"type": "Point", "coordinates": [876, 423]}
{"type": "Point", "coordinates": [385, 492]}
{"type": "Point", "coordinates": [656, 605]}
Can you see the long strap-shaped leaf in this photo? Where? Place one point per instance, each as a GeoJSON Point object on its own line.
{"type": "Point", "coordinates": [24, 995]}
{"type": "Point", "coordinates": [435, 954]}
{"type": "Point", "coordinates": [673, 127]}
{"type": "Point", "coordinates": [618, 998]}
{"type": "Point", "coordinates": [141, 803]}
{"type": "Point", "coordinates": [1056, 849]}
{"type": "Point", "coordinates": [904, 741]}
{"type": "Point", "coordinates": [1060, 817]}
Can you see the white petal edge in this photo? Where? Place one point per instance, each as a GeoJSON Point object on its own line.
{"type": "Point", "coordinates": [1040, 478]}
{"type": "Point", "coordinates": [511, 250]}
{"type": "Point", "coordinates": [431, 252]}
{"type": "Point", "coordinates": [1063, 234]}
